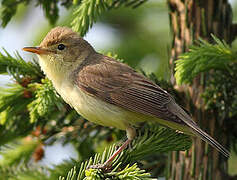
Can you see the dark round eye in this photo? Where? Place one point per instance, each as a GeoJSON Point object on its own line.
{"type": "Point", "coordinates": [61, 47]}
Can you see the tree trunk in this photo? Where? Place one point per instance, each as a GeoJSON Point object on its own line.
{"type": "Point", "coordinates": [191, 20]}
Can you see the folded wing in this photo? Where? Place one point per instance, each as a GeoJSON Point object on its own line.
{"type": "Point", "coordinates": [118, 84]}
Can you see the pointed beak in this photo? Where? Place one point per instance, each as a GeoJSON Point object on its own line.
{"type": "Point", "coordinates": [36, 50]}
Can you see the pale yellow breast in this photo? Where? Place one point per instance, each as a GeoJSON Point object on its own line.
{"type": "Point", "coordinates": [98, 111]}
{"type": "Point", "coordinates": [106, 114]}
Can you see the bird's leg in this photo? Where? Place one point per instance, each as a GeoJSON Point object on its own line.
{"type": "Point", "coordinates": [120, 149]}
{"type": "Point", "coordinates": [130, 134]}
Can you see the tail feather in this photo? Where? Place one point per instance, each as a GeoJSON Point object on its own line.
{"type": "Point", "coordinates": [178, 111]}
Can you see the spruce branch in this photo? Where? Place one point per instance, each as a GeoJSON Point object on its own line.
{"type": "Point", "coordinates": [70, 175]}
{"type": "Point", "coordinates": [12, 102]}
{"type": "Point", "coordinates": [9, 8]}
{"type": "Point", "coordinates": [86, 14]}
{"type": "Point", "coordinates": [128, 173]}
{"type": "Point", "coordinates": [157, 139]}
{"type": "Point", "coordinates": [50, 8]}
{"type": "Point", "coordinates": [16, 153]}
{"type": "Point", "coordinates": [18, 126]}
{"type": "Point", "coordinates": [61, 169]}
{"type": "Point", "coordinates": [22, 107]}
{"type": "Point", "coordinates": [11, 65]}
{"type": "Point", "coordinates": [149, 141]}
{"type": "Point", "coordinates": [202, 58]}
{"type": "Point", "coordinates": [132, 3]}
{"type": "Point", "coordinates": [46, 101]}
{"type": "Point", "coordinates": [88, 11]}
{"type": "Point", "coordinates": [23, 172]}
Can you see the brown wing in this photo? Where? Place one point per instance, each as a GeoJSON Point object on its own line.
{"type": "Point", "coordinates": [118, 84]}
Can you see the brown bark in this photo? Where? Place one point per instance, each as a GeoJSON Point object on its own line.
{"type": "Point", "coordinates": [190, 20]}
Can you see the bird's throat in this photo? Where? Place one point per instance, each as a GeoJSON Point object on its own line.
{"type": "Point", "coordinates": [54, 70]}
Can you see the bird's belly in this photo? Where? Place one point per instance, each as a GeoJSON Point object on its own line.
{"type": "Point", "coordinates": [98, 111]}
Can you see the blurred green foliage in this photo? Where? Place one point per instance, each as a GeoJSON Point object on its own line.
{"type": "Point", "coordinates": [143, 33]}
{"type": "Point", "coordinates": [50, 8]}
{"type": "Point", "coordinates": [204, 57]}
{"type": "Point", "coordinates": [31, 109]}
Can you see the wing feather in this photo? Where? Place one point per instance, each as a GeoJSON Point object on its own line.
{"type": "Point", "coordinates": [118, 84]}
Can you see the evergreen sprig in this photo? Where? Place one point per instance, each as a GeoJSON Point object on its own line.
{"type": "Point", "coordinates": [86, 14]}
{"type": "Point", "coordinates": [50, 9]}
{"type": "Point", "coordinates": [13, 102]}
{"type": "Point", "coordinates": [16, 153]}
{"type": "Point", "coordinates": [157, 139]}
{"type": "Point", "coordinates": [22, 172]}
{"type": "Point", "coordinates": [202, 58]}
{"type": "Point", "coordinates": [88, 10]}
{"type": "Point", "coordinates": [83, 173]}
{"type": "Point", "coordinates": [128, 173]}
{"type": "Point", "coordinates": [9, 8]}
{"type": "Point", "coordinates": [149, 141]}
{"type": "Point", "coordinates": [17, 65]}
{"type": "Point", "coordinates": [28, 97]}
{"type": "Point", "coordinates": [132, 3]}
{"type": "Point", "coordinates": [61, 169]}
{"type": "Point", "coordinates": [46, 101]}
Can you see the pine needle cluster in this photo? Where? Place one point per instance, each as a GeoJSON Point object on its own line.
{"type": "Point", "coordinates": [202, 58]}
{"type": "Point", "coordinates": [151, 139]}
{"type": "Point", "coordinates": [220, 94]}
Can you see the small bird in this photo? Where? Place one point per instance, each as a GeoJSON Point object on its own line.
{"type": "Point", "coordinates": [108, 92]}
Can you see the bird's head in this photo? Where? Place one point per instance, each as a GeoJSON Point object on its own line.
{"type": "Point", "coordinates": [61, 50]}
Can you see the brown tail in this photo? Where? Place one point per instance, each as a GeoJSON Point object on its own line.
{"type": "Point", "coordinates": [178, 111]}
